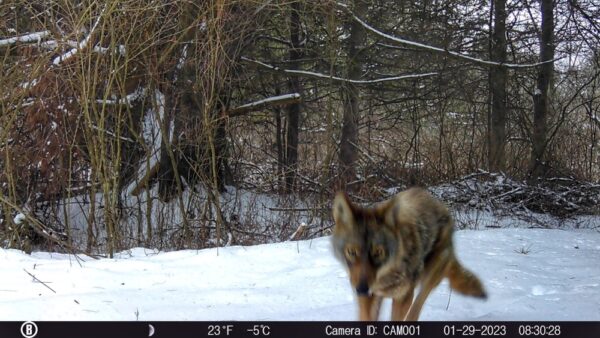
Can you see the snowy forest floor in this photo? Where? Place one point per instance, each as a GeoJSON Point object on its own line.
{"type": "Point", "coordinates": [530, 274]}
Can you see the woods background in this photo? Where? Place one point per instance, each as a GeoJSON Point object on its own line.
{"type": "Point", "coordinates": [188, 124]}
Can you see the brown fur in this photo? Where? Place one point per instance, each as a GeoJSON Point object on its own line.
{"type": "Point", "coordinates": [395, 246]}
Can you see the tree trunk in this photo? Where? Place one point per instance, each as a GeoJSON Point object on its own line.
{"type": "Point", "coordinates": [293, 111]}
{"type": "Point", "coordinates": [350, 97]}
{"type": "Point", "coordinates": [497, 120]}
{"type": "Point", "coordinates": [540, 96]}
{"type": "Point", "coordinates": [279, 148]}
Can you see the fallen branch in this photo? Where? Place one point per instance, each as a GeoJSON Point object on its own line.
{"type": "Point", "coordinates": [37, 279]}
{"type": "Point", "coordinates": [562, 197]}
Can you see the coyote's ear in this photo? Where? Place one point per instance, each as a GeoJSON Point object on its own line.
{"type": "Point", "coordinates": [391, 210]}
{"type": "Point", "coordinates": [342, 210]}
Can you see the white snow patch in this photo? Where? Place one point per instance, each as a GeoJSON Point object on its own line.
{"type": "Point", "coordinates": [300, 281]}
{"type": "Point", "coordinates": [152, 134]}
{"type": "Point", "coordinates": [19, 218]}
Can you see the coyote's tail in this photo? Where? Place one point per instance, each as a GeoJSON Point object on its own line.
{"type": "Point", "coordinates": [464, 281]}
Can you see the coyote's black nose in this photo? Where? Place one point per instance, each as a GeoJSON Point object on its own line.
{"type": "Point", "coordinates": [362, 289]}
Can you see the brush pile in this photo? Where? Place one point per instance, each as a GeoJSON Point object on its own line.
{"type": "Point", "coordinates": [561, 197]}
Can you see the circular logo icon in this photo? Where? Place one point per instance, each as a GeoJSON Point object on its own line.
{"type": "Point", "coordinates": [29, 329]}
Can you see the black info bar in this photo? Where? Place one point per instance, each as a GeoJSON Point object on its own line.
{"type": "Point", "coordinates": [281, 329]}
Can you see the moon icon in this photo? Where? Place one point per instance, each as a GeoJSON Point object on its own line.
{"type": "Point", "coordinates": [151, 330]}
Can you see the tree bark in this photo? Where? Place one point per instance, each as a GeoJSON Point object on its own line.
{"type": "Point", "coordinates": [293, 111]}
{"type": "Point", "coordinates": [540, 96]}
{"type": "Point", "coordinates": [497, 120]}
{"type": "Point", "coordinates": [350, 97]}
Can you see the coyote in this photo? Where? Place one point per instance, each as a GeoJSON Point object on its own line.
{"type": "Point", "coordinates": [396, 245]}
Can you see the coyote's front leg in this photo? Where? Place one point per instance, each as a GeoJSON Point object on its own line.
{"type": "Point", "coordinates": [368, 307]}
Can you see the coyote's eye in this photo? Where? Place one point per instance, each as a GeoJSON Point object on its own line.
{"type": "Point", "coordinates": [378, 254]}
{"type": "Point", "coordinates": [351, 253]}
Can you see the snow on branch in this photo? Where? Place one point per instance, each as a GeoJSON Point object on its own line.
{"type": "Point", "coordinates": [440, 50]}
{"type": "Point", "coordinates": [82, 44]}
{"type": "Point", "coordinates": [299, 233]}
{"type": "Point", "coordinates": [335, 78]}
{"type": "Point", "coordinates": [595, 118]}
{"type": "Point", "coordinates": [128, 100]}
{"type": "Point", "coordinates": [110, 133]}
{"type": "Point", "coordinates": [268, 102]}
{"type": "Point", "coordinates": [31, 37]}
{"type": "Point", "coordinates": [53, 44]}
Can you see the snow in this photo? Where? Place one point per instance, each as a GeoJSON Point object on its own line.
{"type": "Point", "coordinates": [530, 274]}
{"type": "Point", "coordinates": [270, 218]}
{"type": "Point", "coordinates": [27, 85]}
{"type": "Point", "coordinates": [152, 134]}
{"type": "Point", "coordinates": [19, 218]}
{"type": "Point", "coordinates": [128, 100]}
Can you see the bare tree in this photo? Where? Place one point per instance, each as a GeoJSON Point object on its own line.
{"type": "Point", "coordinates": [497, 119]}
{"type": "Point", "coordinates": [540, 95]}
{"type": "Point", "coordinates": [293, 110]}
{"type": "Point", "coordinates": [350, 98]}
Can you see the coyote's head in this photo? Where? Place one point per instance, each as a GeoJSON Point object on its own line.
{"type": "Point", "coordinates": [363, 240]}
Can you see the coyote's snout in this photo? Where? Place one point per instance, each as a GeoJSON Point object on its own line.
{"type": "Point", "coordinates": [395, 246]}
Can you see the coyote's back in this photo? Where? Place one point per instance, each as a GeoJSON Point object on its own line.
{"type": "Point", "coordinates": [396, 245]}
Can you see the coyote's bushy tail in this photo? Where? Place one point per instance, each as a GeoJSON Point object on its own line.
{"type": "Point", "coordinates": [464, 281]}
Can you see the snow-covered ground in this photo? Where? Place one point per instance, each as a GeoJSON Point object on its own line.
{"type": "Point", "coordinates": [530, 274]}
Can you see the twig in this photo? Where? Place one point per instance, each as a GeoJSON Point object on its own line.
{"type": "Point", "coordinates": [449, 296]}
{"type": "Point", "coordinates": [441, 50]}
{"type": "Point", "coordinates": [44, 284]}
{"type": "Point", "coordinates": [39, 228]}
{"type": "Point", "coordinates": [81, 45]}
{"type": "Point", "coordinates": [295, 209]}
{"type": "Point", "coordinates": [280, 100]}
{"type": "Point", "coordinates": [318, 231]}
{"type": "Point", "coordinates": [335, 78]}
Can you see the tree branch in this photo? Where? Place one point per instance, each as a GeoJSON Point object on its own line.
{"type": "Point", "coordinates": [335, 78]}
{"type": "Point", "coordinates": [81, 45]}
{"type": "Point", "coordinates": [441, 50]}
{"type": "Point", "coordinates": [280, 100]}
{"type": "Point", "coordinates": [31, 37]}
